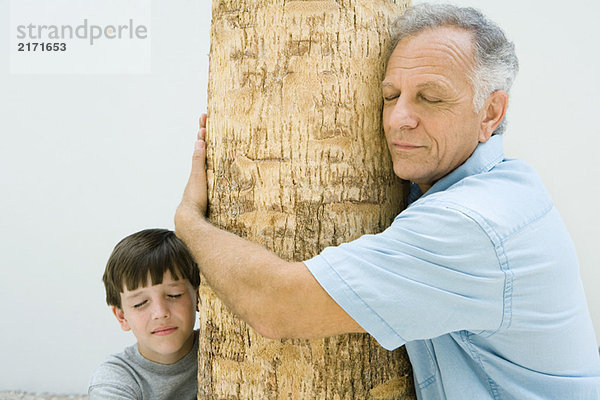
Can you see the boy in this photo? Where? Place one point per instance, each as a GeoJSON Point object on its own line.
{"type": "Point", "coordinates": [151, 281]}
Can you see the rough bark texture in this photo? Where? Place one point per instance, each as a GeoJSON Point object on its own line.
{"type": "Point", "coordinates": [298, 162]}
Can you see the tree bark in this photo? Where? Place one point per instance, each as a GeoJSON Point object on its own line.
{"type": "Point", "coordinates": [297, 161]}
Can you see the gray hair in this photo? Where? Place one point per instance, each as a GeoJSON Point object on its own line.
{"type": "Point", "coordinates": [495, 62]}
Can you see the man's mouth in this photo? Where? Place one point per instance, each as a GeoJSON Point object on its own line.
{"type": "Point", "coordinates": [164, 330]}
{"type": "Point", "coordinates": [405, 145]}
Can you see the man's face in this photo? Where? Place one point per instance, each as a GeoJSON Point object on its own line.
{"type": "Point", "coordinates": [430, 124]}
{"type": "Point", "coordinates": [162, 318]}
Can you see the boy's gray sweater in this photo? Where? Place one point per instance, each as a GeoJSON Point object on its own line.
{"type": "Point", "coordinates": [128, 376]}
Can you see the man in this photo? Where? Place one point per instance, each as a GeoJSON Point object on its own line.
{"type": "Point", "coordinates": [478, 277]}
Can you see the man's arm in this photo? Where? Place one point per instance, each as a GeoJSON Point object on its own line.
{"type": "Point", "coordinates": [279, 299]}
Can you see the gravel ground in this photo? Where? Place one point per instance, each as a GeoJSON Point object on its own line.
{"type": "Point", "coordinates": [40, 396]}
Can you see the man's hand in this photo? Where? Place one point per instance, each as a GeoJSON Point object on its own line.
{"type": "Point", "coordinates": [195, 196]}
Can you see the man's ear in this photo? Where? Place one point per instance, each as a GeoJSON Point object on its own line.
{"type": "Point", "coordinates": [120, 317]}
{"type": "Point", "coordinates": [492, 114]}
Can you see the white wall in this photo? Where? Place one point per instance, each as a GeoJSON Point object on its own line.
{"type": "Point", "coordinates": [86, 160]}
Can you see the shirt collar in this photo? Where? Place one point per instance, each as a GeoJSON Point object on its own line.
{"type": "Point", "coordinates": [483, 159]}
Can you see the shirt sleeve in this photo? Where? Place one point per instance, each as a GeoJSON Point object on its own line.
{"type": "Point", "coordinates": [112, 381]}
{"type": "Point", "coordinates": [433, 271]}
{"type": "Point", "coordinates": [108, 391]}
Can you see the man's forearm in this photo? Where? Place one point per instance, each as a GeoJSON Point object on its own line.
{"type": "Point", "coordinates": [279, 299]}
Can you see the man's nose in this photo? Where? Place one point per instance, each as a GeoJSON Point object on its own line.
{"type": "Point", "coordinates": [160, 309]}
{"type": "Point", "coordinates": [403, 115]}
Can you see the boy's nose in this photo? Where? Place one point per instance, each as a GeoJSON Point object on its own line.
{"type": "Point", "coordinates": [160, 310]}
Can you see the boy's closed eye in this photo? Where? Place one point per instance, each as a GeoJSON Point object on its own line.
{"type": "Point", "coordinates": [138, 305]}
{"type": "Point", "coordinates": [171, 296]}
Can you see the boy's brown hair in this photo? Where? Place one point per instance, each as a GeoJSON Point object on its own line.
{"type": "Point", "coordinates": [151, 251]}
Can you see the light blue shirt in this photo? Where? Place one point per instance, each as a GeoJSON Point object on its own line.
{"type": "Point", "coordinates": [479, 278]}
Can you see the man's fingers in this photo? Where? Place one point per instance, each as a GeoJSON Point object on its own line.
{"type": "Point", "coordinates": [199, 163]}
{"type": "Point", "coordinates": [202, 127]}
{"type": "Point", "coordinates": [196, 189]}
{"type": "Point", "coordinates": [202, 134]}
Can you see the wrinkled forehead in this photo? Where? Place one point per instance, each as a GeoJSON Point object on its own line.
{"type": "Point", "coordinates": [436, 49]}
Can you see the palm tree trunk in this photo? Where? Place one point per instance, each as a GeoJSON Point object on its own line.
{"type": "Point", "coordinates": [297, 162]}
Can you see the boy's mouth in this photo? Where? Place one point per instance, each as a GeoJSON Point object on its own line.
{"type": "Point", "coordinates": [164, 330]}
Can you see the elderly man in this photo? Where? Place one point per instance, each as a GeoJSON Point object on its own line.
{"type": "Point", "coordinates": [478, 277]}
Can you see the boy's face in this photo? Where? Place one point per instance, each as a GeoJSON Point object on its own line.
{"type": "Point", "coordinates": [162, 318]}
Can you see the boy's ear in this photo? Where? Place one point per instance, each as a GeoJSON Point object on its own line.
{"type": "Point", "coordinates": [120, 317]}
